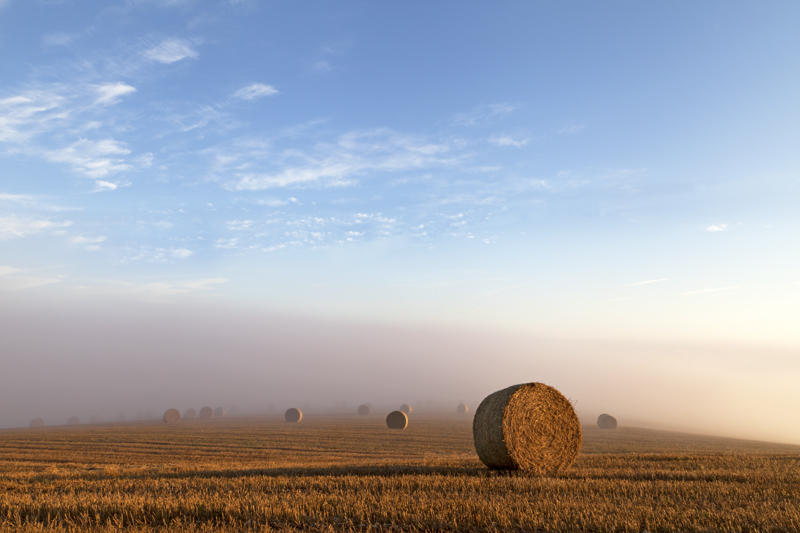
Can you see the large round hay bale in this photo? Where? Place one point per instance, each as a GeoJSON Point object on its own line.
{"type": "Point", "coordinates": [73, 421]}
{"type": "Point", "coordinates": [37, 423]}
{"type": "Point", "coordinates": [206, 413]}
{"type": "Point", "coordinates": [406, 408]}
{"type": "Point", "coordinates": [219, 412]}
{"type": "Point", "coordinates": [171, 416]}
{"type": "Point", "coordinates": [189, 414]}
{"type": "Point", "coordinates": [293, 415]}
{"type": "Point", "coordinates": [462, 409]}
{"type": "Point", "coordinates": [363, 410]}
{"type": "Point", "coordinates": [605, 421]}
{"type": "Point", "coordinates": [397, 420]}
{"type": "Point", "coordinates": [530, 427]}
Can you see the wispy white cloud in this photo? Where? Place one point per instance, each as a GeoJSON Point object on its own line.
{"type": "Point", "coordinates": [704, 291]}
{"type": "Point", "coordinates": [109, 93]}
{"type": "Point", "coordinates": [484, 113]}
{"type": "Point", "coordinates": [271, 202]}
{"type": "Point", "coordinates": [505, 140]}
{"type": "Point", "coordinates": [645, 282]}
{"type": "Point", "coordinates": [95, 159]}
{"type": "Point", "coordinates": [255, 90]}
{"type": "Point", "coordinates": [571, 129]}
{"type": "Point", "coordinates": [717, 227]}
{"type": "Point", "coordinates": [14, 227]}
{"type": "Point", "coordinates": [102, 185]}
{"type": "Point", "coordinates": [156, 290]}
{"type": "Point", "coordinates": [181, 253]}
{"type": "Point", "coordinates": [33, 202]}
{"type": "Point", "coordinates": [171, 50]}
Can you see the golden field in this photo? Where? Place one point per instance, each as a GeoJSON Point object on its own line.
{"type": "Point", "coordinates": [350, 473]}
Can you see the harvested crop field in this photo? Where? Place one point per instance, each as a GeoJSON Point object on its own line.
{"type": "Point", "coordinates": [348, 473]}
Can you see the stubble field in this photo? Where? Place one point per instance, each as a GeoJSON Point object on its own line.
{"type": "Point", "coordinates": [349, 473]}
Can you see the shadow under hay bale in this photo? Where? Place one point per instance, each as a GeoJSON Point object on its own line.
{"type": "Point", "coordinates": [206, 413]}
{"type": "Point", "coordinates": [37, 423]}
{"type": "Point", "coordinates": [397, 420]}
{"type": "Point", "coordinates": [189, 414]}
{"type": "Point", "coordinates": [293, 415]}
{"type": "Point", "coordinates": [605, 421]}
{"type": "Point", "coordinates": [406, 408]}
{"type": "Point", "coordinates": [462, 409]}
{"type": "Point", "coordinates": [363, 410]}
{"type": "Point", "coordinates": [73, 421]}
{"type": "Point", "coordinates": [530, 427]}
{"type": "Point", "coordinates": [219, 412]}
{"type": "Point", "coordinates": [171, 416]}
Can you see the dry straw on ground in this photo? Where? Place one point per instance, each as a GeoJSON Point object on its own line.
{"type": "Point", "coordinates": [189, 414]}
{"type": "Point", "coordinates": [462, 409]}
{"type": "Point", "coordinates": [293, 415]}
{"type": "Point", "coordinates": [219, 412]}
{"type": "Point", "coordinates": [363, 410]}
{"type": "Point", "coordinates": [206, 413]}
{"type": "Point", "coordinates": [605, 421]}
{"type": "Point", "coordinates": [73, 421]}
{"type": "Point", "coordinates": [397, 420]}
{"type": "Point", "coordinates": [37, 423]}
{"type": "Point", "coordinates": [172, 416]}
{"type": "Point", "coordinates": [530, 427]}
{"type": "Point", "coordinates": [406, 408]}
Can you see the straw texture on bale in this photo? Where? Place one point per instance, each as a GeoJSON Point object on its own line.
{"type": "Point", "coordinates": [406, 408]}
{"type": "Point", "coordinates": [37, 423]}
{"type": "Point", "coordinates": [171, 416]}
{"type": "Point", "coordinates": [462, 409]}
{"type": "Point", "coordinates": [189, 414]}
{"type": "Point", "coordinates": [293, 415]}
{"type": "Point", "coordinates": [363, 410]}
{"type": "Point", "coordinates": [219, 412]}
{"type": "Point", "coordinates": [73, 421]}
{"type": "Point", "coordinates": [530, 427]}
{"type": "Point", "coordinates": [605, 421]}
{"type": "Point", "coordinates": [206, 413]}
{"type": "Point", "coordinates": [397, 420]}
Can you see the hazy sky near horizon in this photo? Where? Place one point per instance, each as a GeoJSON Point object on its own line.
{"type": "Point", "coordinates": [621, 171]}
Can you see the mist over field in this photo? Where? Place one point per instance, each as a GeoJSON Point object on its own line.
{"type": "Point", "coordinates": [111, 357]}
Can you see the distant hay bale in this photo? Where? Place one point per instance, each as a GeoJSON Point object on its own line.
{"type": "Point", "coordinates": [406, 408]}
{"type": "Point", "coordinates": [73, 421]}
{"type": "Point", "coordinates": [363, 409]}
{"type": "Point", "coordinates": [293, 415]}
{"type": "Point", "coordinates": [462, 409]}
{"type": "Point", "coordinates": [171, 416]}
{"type": "Point", "coordinates": [605, 421]}
{"type": "Point", "coordinates": [189, 414]}
{"type": "Point", "coordinates": [397, 420]}
{"type": "Point", "coordinates": [37, 423]}
{"type": "Point", "coordinates": [219, 412]}
{"type": "Point", "coordinates": [206, 413]}
{"type": "Point", "coordinates": [530, 427]}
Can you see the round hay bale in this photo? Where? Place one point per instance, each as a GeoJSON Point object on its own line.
{"type": "Point", "coordinates": [530, 427]}
{"type": "Point", "coordinates": [293, 415]}
{"type": "Point", "coordinates": [462, 409]}
{"type": "Point", "coordinates": [406, 408]}
{"type": "Point", "coordinates": [397, 420]}
{"type": "Point", "coordinates": [605, 421]}
{"type": "Point", "coordinates": [219, 412]}
{"type": "Point", "coordinates": [171, 416]}
{"type": "Point", "coordinates": [206, 413]}
{"type": "Point", "coordinates": [189, 414]}
{"type": "Point", "coordinates": [73, 421]}
{"type": "Point", "coordinates": [37, 423]}
{"type": "Point", "coordinates": [363, 410]}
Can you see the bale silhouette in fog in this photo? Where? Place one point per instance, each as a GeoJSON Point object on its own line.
{"type": "Point", "coordinates": [219, 412]}
{"type": "Point", "coordinates": [462, 409]}
{"type": "Point", "coordinates": [605, 421]}
{"type": "Point", "coordinates": [206, 413]}
{"type": "Point", "coordinates": [37, 423]}
{"type": "Point", "coordinates": [189, 414]}
{"type": "Point", "coordinates": [530, 427]}
{"type": "Point", "coordinates": [171, 416]}
{"type": "Point", "coordinates": [406, 408]}
{"type": "Point", "coordinates": [397, 420]}
{"type": "Point", "coordinates": [363, 409]}
{"type": "Point", "coordinates": [293, 415]}
{"type": "Point", "coordinates": [73, 421]}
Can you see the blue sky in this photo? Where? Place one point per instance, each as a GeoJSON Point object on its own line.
{"type": "Point", "coordinates": [618, 170]}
